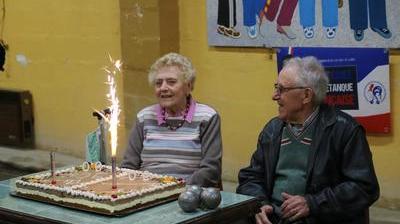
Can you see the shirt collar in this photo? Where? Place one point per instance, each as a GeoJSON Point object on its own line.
{"type": "Point", "coordinates": [189, 116]}
{"type": "Point", "coordinates": [310, 118]}
{"type": "Point", "coordinates": [300, 127]}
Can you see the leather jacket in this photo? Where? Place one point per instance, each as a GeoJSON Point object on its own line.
{"type": "Point", "coordinates": [341, 182]}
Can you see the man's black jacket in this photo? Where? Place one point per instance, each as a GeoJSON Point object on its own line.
{"type": "Point", "coordinates": [341, 181]}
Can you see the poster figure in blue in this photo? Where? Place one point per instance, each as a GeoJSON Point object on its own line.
{"type": "Point", "coordinates": [329, 17]}
{"type": "Point", "coordinates": [375, 93]}
{"type": "Point", "coordinates": [359, 11]}
{"type": "Point", "coordinates": [251, 12]}
{"type": "Point", "coordinates": [227, 18]}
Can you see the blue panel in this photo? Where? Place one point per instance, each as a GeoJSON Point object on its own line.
{"type": "Point", "coordinates": [365, 59]}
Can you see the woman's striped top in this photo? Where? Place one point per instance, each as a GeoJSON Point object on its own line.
{"type": "Point", "coordinates": [192, 152]}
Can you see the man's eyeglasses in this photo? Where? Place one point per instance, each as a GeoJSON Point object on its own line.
{"type": "Point", "coordinates": [279, 89]}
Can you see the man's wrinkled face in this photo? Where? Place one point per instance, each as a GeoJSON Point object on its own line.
{"type": "Point", "coordinates": [289, 96]}
{"type": "Point", "coordinates": [171, 89]}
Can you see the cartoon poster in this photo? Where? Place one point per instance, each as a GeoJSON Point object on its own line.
{"type": "Point", "coordinates": [304, 23]}
{"type": "Point", "coordinates": [359, 82]}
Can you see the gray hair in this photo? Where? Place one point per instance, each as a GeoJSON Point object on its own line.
{"type": "Point", "coordinates": [310, 73]}
{"type": "Point", "coordinates": [173, 59]}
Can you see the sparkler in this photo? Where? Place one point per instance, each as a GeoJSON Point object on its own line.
{"type": "Point", "coordinates": [112, 119]}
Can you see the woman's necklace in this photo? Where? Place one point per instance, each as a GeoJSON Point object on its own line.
{"type": "Point", "coordinates": [180, 122]}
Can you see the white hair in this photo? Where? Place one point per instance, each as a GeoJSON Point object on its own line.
{"type": "Point", "coordinates": [310, 73]}
{"type": "Point", "coordinates": [173, 59]}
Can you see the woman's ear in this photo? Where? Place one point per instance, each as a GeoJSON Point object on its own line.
{"type": "Point", "coordinates": [190, 86]}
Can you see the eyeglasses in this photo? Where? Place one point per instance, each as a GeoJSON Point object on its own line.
{"type": "Point", "coordinates": [279, 89]}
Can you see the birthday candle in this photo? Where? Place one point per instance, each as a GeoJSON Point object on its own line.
{"type": "Point", "coordinates": [52, 167]}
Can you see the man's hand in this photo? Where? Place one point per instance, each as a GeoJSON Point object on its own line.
{"type": "Point", "coordinates": [261, 218]}
{"type": "Point", "coordinates": [294, 207]}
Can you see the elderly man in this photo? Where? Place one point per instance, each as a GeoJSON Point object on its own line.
{"type": "Point", "coordinates": [312, 163]}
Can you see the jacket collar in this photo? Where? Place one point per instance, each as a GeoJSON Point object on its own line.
{"type": "Point", "coordinates": [327, 115]}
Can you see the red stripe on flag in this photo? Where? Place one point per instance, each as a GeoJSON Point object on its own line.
{"type": "Point", "coordinates": [376, 123]}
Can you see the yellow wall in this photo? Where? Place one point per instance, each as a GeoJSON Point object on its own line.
{"type": "Point", "coordinates": [238, 83]}
{"type": "Point", "coordinates": [386, 149]}
{"type": "Point", "coordinates": [145, 35]}
{"type": "Point", "coordinates": [66, 44]}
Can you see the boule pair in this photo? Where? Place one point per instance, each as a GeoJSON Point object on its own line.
{"type": "Point", "coordinates": [195, 196]}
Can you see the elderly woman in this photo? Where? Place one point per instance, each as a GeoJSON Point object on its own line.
{"type": "Point", "coordinates": [177, 136]}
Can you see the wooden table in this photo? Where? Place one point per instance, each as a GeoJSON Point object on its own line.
{"type": "Point", "coordinates": [18, 210]}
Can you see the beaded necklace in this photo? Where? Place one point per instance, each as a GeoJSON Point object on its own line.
{"type": "Point", "coordinates": [181, 122]}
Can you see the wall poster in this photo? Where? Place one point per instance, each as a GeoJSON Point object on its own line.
{"type": "Point", "coordinates": [304, 23]}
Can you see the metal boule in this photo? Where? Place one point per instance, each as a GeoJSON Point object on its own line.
{"type": "Point", "coordinates": [210, 198]}
{"type": "Point", "coordinates": [196, 189]}
{"type": "Point", "coordinates": [188, 201]}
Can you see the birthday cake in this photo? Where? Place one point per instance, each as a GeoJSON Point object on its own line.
{"type": "Point", "coordinates": [91, 189]}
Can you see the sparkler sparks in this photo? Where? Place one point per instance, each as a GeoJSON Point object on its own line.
{"type": "Point", "coordinates": [112, 119]}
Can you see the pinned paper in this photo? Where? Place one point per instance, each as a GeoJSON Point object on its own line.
{"type": "Point", "coordinates": [93, 150]}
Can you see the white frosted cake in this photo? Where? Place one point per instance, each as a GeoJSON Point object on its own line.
{"type": "Point", "coordinates": [91, 189]}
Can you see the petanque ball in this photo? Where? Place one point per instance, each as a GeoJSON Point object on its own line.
{"type": "Point", "coordinates": [196, 189]}
{"type": "Point", "coordinates": [188, 201]}
{"type": "Point", "coordinates": [210, 198]}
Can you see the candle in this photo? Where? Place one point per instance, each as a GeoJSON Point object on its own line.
{"type": "Point", "coordinates": [52, 167]}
